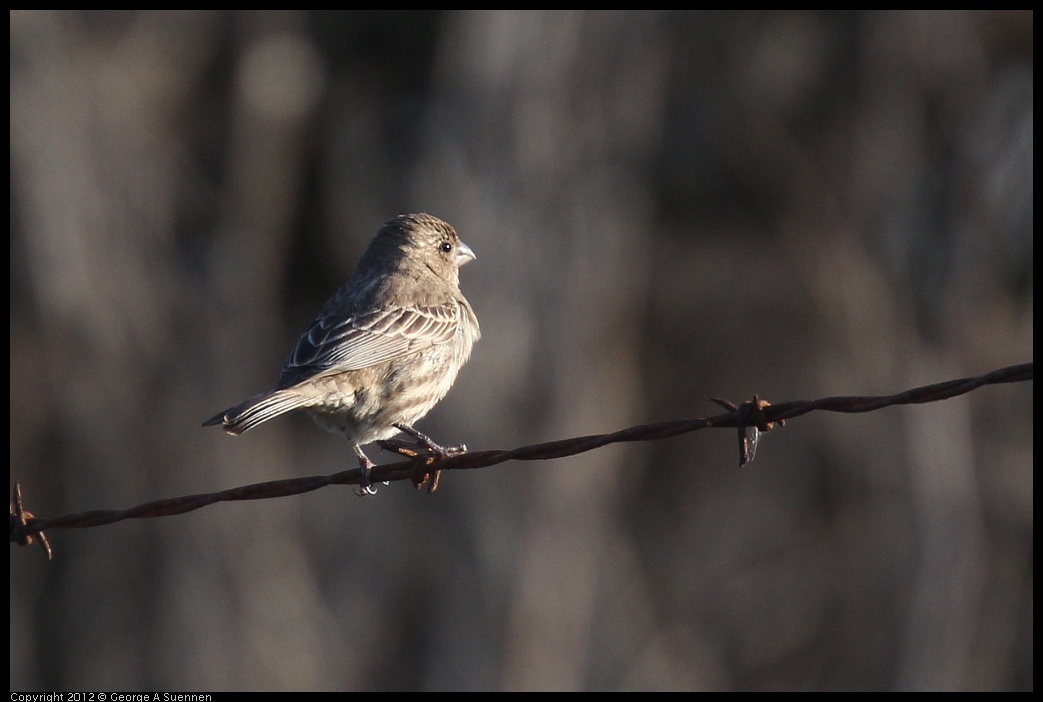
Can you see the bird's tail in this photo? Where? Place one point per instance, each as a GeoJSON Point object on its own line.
{"type": "Point", "coordinates": [257, 410]}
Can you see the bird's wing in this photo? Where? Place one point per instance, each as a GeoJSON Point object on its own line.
{"type": "Point", "coordinates": [349, 342]}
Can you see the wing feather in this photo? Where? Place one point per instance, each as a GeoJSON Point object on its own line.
{"type": "Point", "coordinates": [337, 343]}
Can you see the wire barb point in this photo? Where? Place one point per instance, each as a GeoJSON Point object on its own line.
{"type": "Point", "coordinates": [20, 518]}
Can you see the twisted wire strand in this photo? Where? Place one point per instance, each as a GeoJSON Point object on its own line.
{"type": "Point", "coordinates": [25, 527]}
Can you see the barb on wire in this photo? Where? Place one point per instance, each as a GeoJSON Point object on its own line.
{"type": "Point", "coordinates": [20, 519]}
{"type": "Point", "coordinates": [751, 418]}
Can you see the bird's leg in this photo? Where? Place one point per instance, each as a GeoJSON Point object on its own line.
{"type": "Point", "coordinates": [426, 442]}
{"type": "Point", "coordinates": [365, 465]}
{"type": "Point", "coordinates": [426, 478]}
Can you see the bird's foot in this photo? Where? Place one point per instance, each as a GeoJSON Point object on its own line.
{"type": "Point", "coordinates": [426, 442]}
{"type": "Point", "coordinates": [424, 448]}
{"type": "Point", "coordinates": [365, 487]}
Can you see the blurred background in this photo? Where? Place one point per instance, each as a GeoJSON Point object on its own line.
{"type": "Point", "coordinates": [666, 207]}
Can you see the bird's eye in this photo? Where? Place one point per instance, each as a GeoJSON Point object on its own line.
{"type": "Point", "coordinates": [445, 247]}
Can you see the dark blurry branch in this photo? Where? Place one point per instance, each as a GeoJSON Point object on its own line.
{"type": "Point", "coordinates": [750, 418]}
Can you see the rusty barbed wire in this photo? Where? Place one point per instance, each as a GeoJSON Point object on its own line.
{"type": "Point", "coordinates": [751, 418]}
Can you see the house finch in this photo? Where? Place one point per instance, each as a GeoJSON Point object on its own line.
{"type": "Point", "coordinates": [386, 348]}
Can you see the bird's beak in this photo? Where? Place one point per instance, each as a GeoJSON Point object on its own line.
{"type": "Point", "coordinates": [464, 254]}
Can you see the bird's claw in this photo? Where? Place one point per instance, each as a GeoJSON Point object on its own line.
{"type": "Point", "coordinates": [366, 466]}
{"type": "Point", "coordinates": [422, 447]}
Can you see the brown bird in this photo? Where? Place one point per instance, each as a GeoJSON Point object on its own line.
{"type": "Point", "coordinates": [386, 348]}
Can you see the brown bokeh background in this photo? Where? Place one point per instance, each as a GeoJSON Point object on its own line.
{"type": "Point", "coordinates": [666, 207]}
